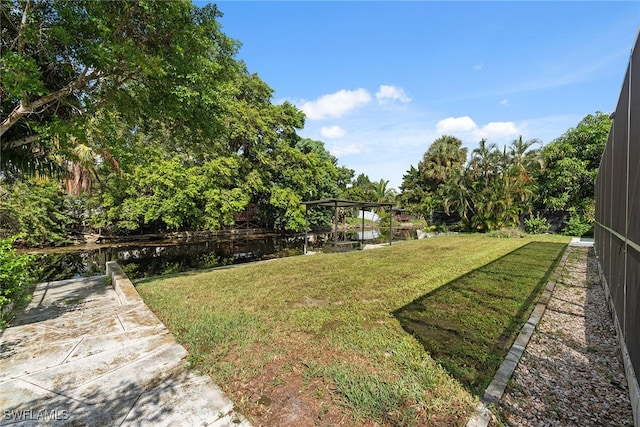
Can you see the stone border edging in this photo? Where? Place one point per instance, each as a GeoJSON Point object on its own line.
{"type": "Point", "coordinates": [127, 293]}
{"type": "Point", "coordinates": [496, 388]}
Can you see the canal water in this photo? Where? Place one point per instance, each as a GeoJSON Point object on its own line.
{"type": "Point", "coordinates": [144, 259]}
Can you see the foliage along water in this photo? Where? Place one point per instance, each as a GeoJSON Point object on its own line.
{"type": "Point", "coordinates": [156, 258]}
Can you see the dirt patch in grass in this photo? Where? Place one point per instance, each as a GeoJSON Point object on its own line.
{"type": "Point", "coordinates": [290, 388]}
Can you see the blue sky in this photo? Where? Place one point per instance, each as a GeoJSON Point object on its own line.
{"type": "Point", "coordinates": [380, 81]}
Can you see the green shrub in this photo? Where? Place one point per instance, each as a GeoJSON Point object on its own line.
{"type": "Point", "coordinates": [15, 277]}
{"type": "Point", "coordinates": [536, 224]}
{"type": "Point", "coordinates": [384, 219]}
{"type": "Point", "coordinates": [441, 227]}
{"type": "Point", "coordinates": [578, 225]}
{"type": "Point", "coordinates": [37, 212]}
{"type": "Point", "coordinates": [505, 233]}
{"type": "Point", "coordinates": [459, 226]}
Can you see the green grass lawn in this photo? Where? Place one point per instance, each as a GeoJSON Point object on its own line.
{"type": "Point", "coordinates": [468, 324]}
{"type": "Point", "coordinates": [357, 337]}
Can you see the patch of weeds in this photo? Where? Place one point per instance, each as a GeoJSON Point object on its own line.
{"type": "Point", "coordinates": [313, 371]}
{"type": "Point", "coordinates": [172, 268]}
{"type": "Point", "coordinates": [516, 385]}
{"type": "Point", "coordinates": [386, 401]}
{"type": "Point", "coordinates": [323, 411]}
{"type": "Point", "coordinates": [193, 360]}
{"type": "Point", "coordinates": [559, 334]}
{"type": "Point", "coordinates": [506, 233]}
{"type": "Point", "coordinates": [498, 415]}
{"type": "Point", "coordinates": [319, 393]}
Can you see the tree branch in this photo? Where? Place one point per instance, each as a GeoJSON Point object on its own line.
{"type": "Point", "coordinates": [26, 108]}
{"type": "Point", "coordinates": [23, 26]}
{"type": "Point", "coordinates": [21, 141]}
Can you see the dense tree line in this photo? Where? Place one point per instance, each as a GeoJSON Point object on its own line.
{"type": "Point", "coordinates": [143, 112]}
{"type": "Point", "coordinates": [495, 186]}
{"type": "Point", "coordinates": [136, 116]}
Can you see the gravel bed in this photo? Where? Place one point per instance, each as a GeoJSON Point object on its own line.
{"type": "Point", "coordinates": [571, 372]}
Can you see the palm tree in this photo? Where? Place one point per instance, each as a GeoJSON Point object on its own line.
{"type": "Point", "coordinates": [484, 161]}
{"type": "Point", "coordinates": [457, 194]}
{"type": "Point", "coordinates": [382, 193]}
{"type": "Point", "coordinates": [497, 187]}
{"type": "Point", "coordinates": [442, 158]}
{"type": "Point", "coordinates": [523, 160]}
{"type": "Point", "coordinates": [82, 167]}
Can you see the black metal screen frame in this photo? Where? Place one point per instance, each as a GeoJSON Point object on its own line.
{"type": "Point", "coordinates": [617, 226]}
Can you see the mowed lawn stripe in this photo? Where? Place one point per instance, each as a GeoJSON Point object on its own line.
{"type": "Point", "coordinates": [324, 326]}
{"type": "Point", "coordinates": [469, 324]}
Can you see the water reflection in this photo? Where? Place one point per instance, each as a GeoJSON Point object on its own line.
{"type": "Point", "coordinates": [156, 258]}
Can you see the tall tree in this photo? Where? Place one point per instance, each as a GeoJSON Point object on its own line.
{"type": "Point", "coordinates": [64, 60]}
{"type": "Point", "coordinates": [444, 155]}
{"type": "Point", "coordinates": [496, 187]}
{"type": "Point", "coordinates": [484, 161]}
{"type": "Point", "coordinates": [383, 194]}
{"type": "Point", "coordinates": [421, 187]}
{"type": "Point", "coordinates": [146, 99]}
{"type": "Point", "coordinates": [361, 189]}
{"type": "Point", "coordinates": [412, 192]}
{"type": "Point", "coordinates": [572, 161]}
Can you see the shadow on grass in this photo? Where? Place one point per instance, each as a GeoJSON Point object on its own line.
{"type": "Point", "coordinates": [469, 324]}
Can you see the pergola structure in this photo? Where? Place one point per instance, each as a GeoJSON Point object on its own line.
{"type": "Point", "coordinates": [338, 203]}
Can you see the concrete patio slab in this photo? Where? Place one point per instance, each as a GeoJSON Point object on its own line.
{"type": "Point", "coordinates": [583, 242]}
{"type": "Point", "coordinates": [88, 352]}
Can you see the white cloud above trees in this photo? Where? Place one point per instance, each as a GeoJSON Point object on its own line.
{"type": "Point", "coordinates": [338, 104]}
{"type": "Point", "coordinates": [499, 130]}
{"type": "Point", "coordinates": [452, 125]}
{"type": "Point", "coordinates": [332, 132]}
{"type": "Point", "coordinates": [345, 150]}
{"type": "Point", "coordinates": [464, 127]}
{"type": "Point", "coordinates": [335, 105]}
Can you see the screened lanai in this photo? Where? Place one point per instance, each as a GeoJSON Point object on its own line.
{"type": "Point", "coordinates": [338, 203]}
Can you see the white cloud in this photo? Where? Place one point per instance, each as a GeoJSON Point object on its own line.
{"type": "Point", "coordinates": [498, 130]}
{"type": "Point", "coordinates": [335, 105]}
{"type": "Point", "coordinates": [452, 125]}
{"type": "Point", "coordinates": [504, 102]}
{"type": "Point", "coordinates": [346, 150]}
{"type": "Point", "coordinates": [465, 128]}
{"type": "Point", "coordinates": [332, 131]}
{"type": "Point", "coordinates": [478, 67]}
{"type": "Point", "coordinates": [387, 94]}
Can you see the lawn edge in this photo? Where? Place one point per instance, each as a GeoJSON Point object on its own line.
{"type": "Point", "coordinates": [495, 390]}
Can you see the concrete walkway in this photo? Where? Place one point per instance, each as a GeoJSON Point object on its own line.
{"type": "Point", "coordinates": [85, 352]}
